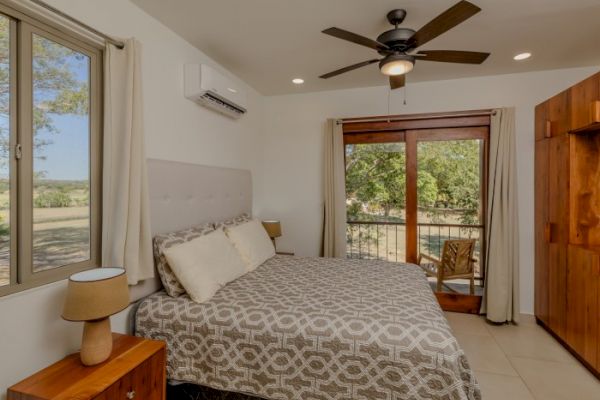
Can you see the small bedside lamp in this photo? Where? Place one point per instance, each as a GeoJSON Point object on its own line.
{"type": "Point", "coordinates": [273, 229]}
{"type": "Point", "coordinates": [93, 296]}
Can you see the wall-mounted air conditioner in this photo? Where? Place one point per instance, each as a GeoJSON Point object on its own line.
{"type": "Point", "coordinates": [210, 88]}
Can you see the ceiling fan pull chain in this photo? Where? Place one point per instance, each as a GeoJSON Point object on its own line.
{"type": "Point", "coordinates": [388, 104]}
{"type": "Point", "coordinates": [404, 95]}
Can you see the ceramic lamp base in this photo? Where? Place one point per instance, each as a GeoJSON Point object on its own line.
{"type": "Point", "coordinates": [96, 344]}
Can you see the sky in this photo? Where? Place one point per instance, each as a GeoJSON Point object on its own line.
{"type": "Point", "coordinates": [67, 158]}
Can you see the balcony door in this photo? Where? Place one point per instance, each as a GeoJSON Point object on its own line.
{"type": "Point", "coordinates": [409, 190]}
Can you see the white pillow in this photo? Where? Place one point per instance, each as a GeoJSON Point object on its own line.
{"type": "Point", "coordinates": [205, 264]}
{"type": "Point", "coordinates": [253, 243]}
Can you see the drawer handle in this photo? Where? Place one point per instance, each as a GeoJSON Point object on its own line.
{"type": "Point", "coordinates": [131, 394]}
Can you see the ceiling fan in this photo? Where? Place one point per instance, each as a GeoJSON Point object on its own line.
{"type": "Point", "coordinates": [397, 45]}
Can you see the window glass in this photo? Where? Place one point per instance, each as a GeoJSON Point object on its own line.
{"type": "Point", "coordinates": [61, 155]}
{"type": "Point", "coordinates": [5, 184]}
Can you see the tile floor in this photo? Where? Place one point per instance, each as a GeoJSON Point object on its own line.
{"type": "Point", "coordinates": [521, 362]}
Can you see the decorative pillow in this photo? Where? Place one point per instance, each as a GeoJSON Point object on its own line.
{"type": "Point", "coordinates": [165, 241]}
{"type": "Point", "coordinates": [240, 219]}
{"type": "Point", "coordinates": [205, 264]}
{"type": "Point", "coordinates": [253, 243]}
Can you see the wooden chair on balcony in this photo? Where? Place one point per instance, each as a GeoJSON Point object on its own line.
{"type": "Point", "coordinates": [457, 263]}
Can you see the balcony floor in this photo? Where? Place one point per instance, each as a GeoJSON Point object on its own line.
{"type": "Point", "coordinates": [458, 285]}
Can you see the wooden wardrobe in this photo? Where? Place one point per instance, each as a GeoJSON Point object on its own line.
{"type": "Point", "coordinates": [567, 219]}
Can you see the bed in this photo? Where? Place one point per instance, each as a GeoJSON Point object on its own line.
{"type": "Point", "coordinates": [314, 328]}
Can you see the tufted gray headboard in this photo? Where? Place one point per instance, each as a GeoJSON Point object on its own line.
{"type": "Point", "coordinates": [183, 195]}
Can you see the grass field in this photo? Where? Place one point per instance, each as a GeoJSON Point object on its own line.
{"type": "Point", "coordinates": [61, 235]}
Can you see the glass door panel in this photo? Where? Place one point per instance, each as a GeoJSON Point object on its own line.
{"type": "Point", "coordinates": [376, 201]}
{"type": "Point", "coordinates": [449, 197]}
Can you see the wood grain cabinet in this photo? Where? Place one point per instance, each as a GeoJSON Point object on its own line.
{"type": "Point", "coordinates": [552, 118]}
{"type": "Point", "coordinates": [585, 104]}
{"type": "Point", "coordinates": [135, 370]}
{"type": "Point", "coordinates": [567, 220]}
{"type": "Point", "coordinates": [582, 320]}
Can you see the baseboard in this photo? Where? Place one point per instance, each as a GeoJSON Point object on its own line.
{"type": "Point", "coordinates": [587, 365]}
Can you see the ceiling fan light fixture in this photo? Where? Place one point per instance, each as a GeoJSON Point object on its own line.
{"type": "Point", "coordinates": [397, 64]}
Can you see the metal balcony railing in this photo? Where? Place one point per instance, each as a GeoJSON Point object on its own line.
{"type": "Point", "coordinates": [382, 240]}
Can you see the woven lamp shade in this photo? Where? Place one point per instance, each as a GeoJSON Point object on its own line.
{"type": "Point", "coordinates": [273, 228]}
{"type": "Point", "coordinates": [96, 294]}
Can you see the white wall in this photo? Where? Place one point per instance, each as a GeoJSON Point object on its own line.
{"type": "Point", "coordinates": [32, 335]}
{"type": "Point", "coordinates": [280, 140]}
{"type": "Point", "coordinates": [289, 183]}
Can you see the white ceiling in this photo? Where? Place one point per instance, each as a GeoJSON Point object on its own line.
{"type": "Point", "coordinates": [268, 42]}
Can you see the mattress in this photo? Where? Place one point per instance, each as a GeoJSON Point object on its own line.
{"type": "Point", "coordinates": [314, 328]}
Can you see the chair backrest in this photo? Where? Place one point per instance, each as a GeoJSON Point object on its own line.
{"type": "Point", "coordinates": [457, 256]}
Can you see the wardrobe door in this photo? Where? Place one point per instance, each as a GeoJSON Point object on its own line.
{"type": "Point", "coordinates": [541, 117]}
{"type": "Point", "coordinates": [583, 288]}
{"type": "Point", "coordinates": [542, 231]}
{"type": "Point", "coordinates": [558, 218]}
{"type": "Point", "coordinates": [558, 114]}
{"type": "Point", "coordinates": [557, 288]}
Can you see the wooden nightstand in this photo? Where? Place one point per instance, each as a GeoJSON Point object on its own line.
{"type": "Point", "coordinates": [136, 369]}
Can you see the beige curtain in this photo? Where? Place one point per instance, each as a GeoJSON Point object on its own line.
{"type": "Point", "coordinates": [501, 291]}
{"type": "Point", "coordinates": [126, 237]}
{"type": "Point", "coordinates": [334, 229]}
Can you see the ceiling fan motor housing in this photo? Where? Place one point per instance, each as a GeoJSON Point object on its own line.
{"type": "Point", "coordinates": [396, 38]}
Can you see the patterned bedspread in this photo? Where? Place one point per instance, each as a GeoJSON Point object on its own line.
{"type": "Point", "coordinates": [315, 328]}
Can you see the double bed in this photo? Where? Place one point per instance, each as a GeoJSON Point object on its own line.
{"type": "Point", "coordinates": [313, 328]}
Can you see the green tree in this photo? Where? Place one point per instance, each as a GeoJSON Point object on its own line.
{"type": "Point", "coordinates": [455, 166]}
{"type": "Point", "coordinates": [375, 174]}
{"type": "Point", "coordinates": [57, 90]}
{"type": "Point", "coordinates": [448, 180]}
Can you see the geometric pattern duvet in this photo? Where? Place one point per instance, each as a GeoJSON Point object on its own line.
{"type": "Point", "coordinates": [314, 328]}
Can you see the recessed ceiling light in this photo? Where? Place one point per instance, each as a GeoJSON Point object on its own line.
{"type": "Point", "coordinates": [298, 81]}
{"type": "Point", "coordinates": [522, 56]}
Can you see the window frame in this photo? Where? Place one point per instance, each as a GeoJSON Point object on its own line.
{"type": "Point", "coordinates": [22, 28]}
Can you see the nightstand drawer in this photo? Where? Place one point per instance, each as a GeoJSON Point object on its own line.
{"type": "Point", "coordinates": [145, 382]}
{"type": "Point", "coordinates": [136, 369]}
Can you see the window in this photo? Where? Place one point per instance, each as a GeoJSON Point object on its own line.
{"type": "Point", "coordinates": [411, 185]}
{"type": "Point", "coordinates": [50, 152]}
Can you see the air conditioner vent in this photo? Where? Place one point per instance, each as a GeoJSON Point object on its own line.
{"type": "Point", "coordinates": [208, 87]}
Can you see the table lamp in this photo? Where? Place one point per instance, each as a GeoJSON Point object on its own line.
{"type": "Point", "coordinates": [273, 229]}
{"type": "Point", "coordinates": [93, 296]}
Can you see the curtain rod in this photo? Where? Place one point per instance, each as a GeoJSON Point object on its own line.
{"type": "Point", "coordinates": [118, 44]}
{"type": "Point", "coordinates": [414, 117]}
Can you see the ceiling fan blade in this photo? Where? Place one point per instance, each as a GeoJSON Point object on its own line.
{"type": "Point", "coordinates": [348, 68]}
{"type": "Point", "coordinates": [447, 20]}
{"type": "Point", "coordinates": [397, 81]}
{"type": "Point", "coordinates": [453, 56]}
{"type": "Point", "coordinates": [354, 38]}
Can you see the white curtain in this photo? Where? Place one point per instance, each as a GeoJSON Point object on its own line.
{"type": "Point", "coordinates": [126, 237]}
{"type": "Point", "coordinates": [501, 289]}
{"type": "Point", "coordinates": [334, 230]}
